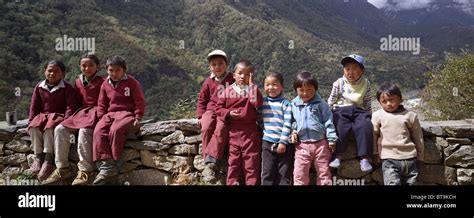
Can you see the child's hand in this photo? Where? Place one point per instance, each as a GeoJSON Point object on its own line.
{"type": "Point", "coordinates": [235, 114]}
{"type": "Point", "coordinates": [251, 79]}
{"type": "Point", "coordinates": [199, 123]}
{"type": "Point", "coordinates": [281, 148]}
{"type": "Point", "coordinates": [136, 124]}
{"type": "Point", "coordinates": [332, 147]}
{"type": "Point", "coordinates": [294, 138]}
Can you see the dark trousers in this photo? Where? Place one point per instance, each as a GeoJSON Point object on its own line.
{"type": "Point", "coordinates": [277, 169]}
{"type": "Point", "coordinates": [353, 119]}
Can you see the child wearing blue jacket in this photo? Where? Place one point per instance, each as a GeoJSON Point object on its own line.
{"type": "Point", "coordinates": [314, 133]}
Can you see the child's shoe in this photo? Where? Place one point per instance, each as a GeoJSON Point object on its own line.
{"type": "Point", "coordinates": [106, 179]}
{"type": "Point", "coordinates": [209, 174]}
{"type": "Point", "coordinates": [36, 166]}
{"type": "Point", "coordinates": [58, 175]}
{"type": "Point", "coordinates": [83, 178]}
{"type": "Point", "coordinates": [365, 165]}
{"type": "Point", "coordinates": [46, 170]}
{"type": "Point", "coordinates": [336, 163]}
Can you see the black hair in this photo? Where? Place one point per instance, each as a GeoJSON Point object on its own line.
{"type": "Point", "coordinates": [118, 60]}
{"type": "Point", "coordinates": [244, 63]}
{"type": "Point", "coordinates": [305, 77]}
{"type": "Point", "coordinates": [90, 56]}
{"type": "Point", "coordinates": [276, 75]}
{"type": "Point", "coordinates": [60, 64]}
{"type": "Point", "coordinates": [389, 89]}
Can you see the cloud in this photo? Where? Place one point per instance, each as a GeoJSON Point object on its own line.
{"type": "Point", "coordinates": [401, 4]}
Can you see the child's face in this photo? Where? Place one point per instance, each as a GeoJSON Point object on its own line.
{"type": "Point", "coordinates": [306, 92]}
{"type": "Point", "coordinates": [116, 72]}
{"type": "Point", "coordinates": [390, 103]}
{"type": "Point", "coordinates": [218, 66]}
{"type": "Point", "coordinates": [272, 86]}
{"type": "Point", "coordinates": [352, 71]}
{"type": "Point", "coordinates": [88, 67]}
{"type": "Point", "coordinates": [242, 75]}
{"type": "Point", "coordinates": [53, 74]}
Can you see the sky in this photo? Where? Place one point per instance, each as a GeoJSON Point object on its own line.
{"type": "Point", "coordinates": [466, 5]}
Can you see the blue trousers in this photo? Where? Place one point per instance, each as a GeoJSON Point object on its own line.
{"type": "Point", "coordinates": [351, 119]}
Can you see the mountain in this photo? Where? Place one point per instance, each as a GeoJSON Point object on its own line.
{"type": "Point", "coordinates": [165, 43]}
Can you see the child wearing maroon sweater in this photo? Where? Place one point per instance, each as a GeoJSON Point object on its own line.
{"type": "Point", "coordinates": [121, 106]}
{"type": "Point", "coordinates": [214, 132]}
{"type": "Point", "coordinates": [82, 122]}
{"type": "Point", "coordinates": [53, 100]}
{"type": "Point", "coordinates": [238, 105]}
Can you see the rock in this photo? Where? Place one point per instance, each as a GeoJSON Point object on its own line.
{"type": "Point", "coordinates": [2, 144]}
{"type": "Point", "coordinates": [174, 138]}
{"type": "Point", "coordinates": [144, 177]}
{"type": "Point", "coordinates": [175, 164]}
{"type": "Point", "coordinates": [198, 163]}
{"type": "Point", "coordinates": [200, 148]}
{"type": "Point", "coordinates": [187, 179]}
{"type": "Point", "coordinates": [137, 162]}
{"type": "Point", "coordinates": [450, 149]}
{"type": "Point", "coordinates": [2, 167]}
{"type": "Point", "coordinates": [433, 152]}
{"type": "Point", "coordinates": [377, 176]}
{"type": "Point", "coordinates": [11, 172]}
{"type": "Point", "coordinates": [7, 132]}
{"type": "Point", "coordinates": [30, 158]}
{"type": "Point", "coordinates": [8, 152]}
{"type": "Point", "coordinates": [184, 149]}
{"type": "Point", "coordinates": [438, 174]}
{"type": "Point", "coordinates": [147, 145]}
{"type": "Point", "coordinates": [351, 151]}
{"type": "Point", "coordinates": [25, 140]}
{"type": "Point", "coordinates": [161, 128]}
{"type": "Point", "coordinates": [127, 167]}
{"type": "Point", "coordinates": [154, 137]}
{"type": "Point", "coordinates": [462, 141]}
{"type": "Point", "coordinates": [463, 157]}
{"type": "Point", "coordinates": [440, 141]}
{"type": "Point", "coordinates": [465, 176]}
{"type": "Point", "coordinates": [452, 128]}
{"type": "Point", "coordinates": [351, 169]}
{"type": "Point", "coordinates": [193, 139]}
{"type": "Point", "coordinates": [5, 136]}
{"type": "Point", "coordinates": [14, 159]}
{"type": "Point", "coordinates": [130, 154]}
{"type": "Point", "coordinates": [189, 125]}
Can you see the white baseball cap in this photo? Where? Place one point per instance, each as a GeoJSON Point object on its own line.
{"type": "Point", "coordinates": [217, 53]}
{"type": "Point", "coordinates": [353, 57]}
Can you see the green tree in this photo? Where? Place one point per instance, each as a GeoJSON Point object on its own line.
{"type": "Point", "coordinates": [449, 93]}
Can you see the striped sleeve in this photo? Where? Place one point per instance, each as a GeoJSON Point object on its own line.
{"type": "Point", "coordinates": [368, 98]}
{"type": "Point", "coordinates": [286, 130]}
{"type": "Point", "coordinates": [335, 93]}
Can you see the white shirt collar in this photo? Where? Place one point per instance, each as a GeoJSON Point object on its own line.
{"type": "Point", "coordinates": [55, 88]}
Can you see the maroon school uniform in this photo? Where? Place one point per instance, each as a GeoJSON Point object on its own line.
{"type": "Point", "coordinates": [49, 107]}
{"type": "Point", "coordinates": [118, 107]}
{"type": "Point", "coordinates": [86, 116]}
{"type": "Point", "coordinates": [245, 136]}
{"type": "Point", "coordinates": [214, 132]}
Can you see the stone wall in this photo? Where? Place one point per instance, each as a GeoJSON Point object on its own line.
{"type": "Point", "coordinates": [168, 152]}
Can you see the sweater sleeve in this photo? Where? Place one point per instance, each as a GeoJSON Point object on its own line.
{"type": "Point", "coordinates": [139, 100]}
{"type": "Point", "coordinates": [103, 101]}
{"type": "Point", "coordinates": [368, 98]}
{"type": "Point", "coordinates": [328, 123]}
{"type": "Point", "coordinates": [334, 96]}
{"type": "Point", "coordinates": [376, 133]}
{"type": "Point", "coordinates": [35, 107]}
{"type": "Point", "coordinates": [203, 99]}
{"type": "Point", "coordinates": [417, 137]}
{"type": "Point", "coordinates": [72, 103]}
{"type": "Point", "coordinates": [221, 107]}
{"type": "Point", "coordinates": [286, 130]}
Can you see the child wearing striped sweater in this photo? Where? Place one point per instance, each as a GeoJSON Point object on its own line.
{"type": "Point", "coordinates": [277, 153]}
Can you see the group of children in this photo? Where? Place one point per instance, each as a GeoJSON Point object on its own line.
{"type": "Point", "coordinates": [99, 111]}
{"type": "Point", "coordinates": [272, 141]}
